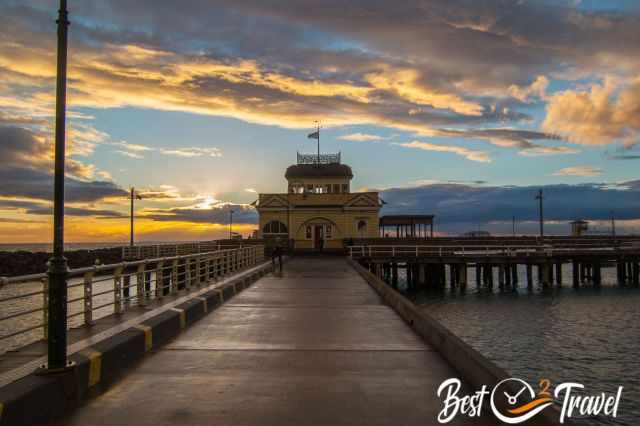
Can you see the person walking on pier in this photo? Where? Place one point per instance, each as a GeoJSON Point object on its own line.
{"type": "Point", "coordinates": [277, 253]}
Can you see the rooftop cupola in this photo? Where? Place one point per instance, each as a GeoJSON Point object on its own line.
{"type": "Point", "coordinates": [319, 174]}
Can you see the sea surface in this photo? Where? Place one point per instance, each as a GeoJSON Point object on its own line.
{"type": "Point", "coordinates": [589, 335]}
{"type": "Point", "coordinates": [48, 247]}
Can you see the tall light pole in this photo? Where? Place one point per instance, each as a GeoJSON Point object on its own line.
{"type": "Point", "coordinates": [231, 211]}
{"type": "Point", "coordinates": [513, 226]}
{"type": "Point", "coordinates": [613, 225]}
{"type": "Point", "coordinates": [540, 197]}
{"type": "Point", "coordinates": [134, 195]}
{"type": "Point", "coordinates": [57, 309]}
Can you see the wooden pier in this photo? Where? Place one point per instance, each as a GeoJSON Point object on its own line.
{"type": "Point", "coordinates": [312, 345]}
{"type": "Point", "coordinates": [501, 262]}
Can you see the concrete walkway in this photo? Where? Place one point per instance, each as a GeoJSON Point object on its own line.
{"type": "Point", "coordinates": [314, 345]}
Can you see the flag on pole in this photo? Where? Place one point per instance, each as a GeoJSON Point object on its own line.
{"type": "Point", "coordinates": [314, 135]}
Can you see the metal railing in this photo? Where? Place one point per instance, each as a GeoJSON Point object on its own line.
{"type": "Point", "coordinates": [318, 158]}
{"type": "Point", "coordinates": [480, 250]}
{"type": "Point", "coordinates": [101, 290]}
{"type": "Point", "coordinates": [140, 252]}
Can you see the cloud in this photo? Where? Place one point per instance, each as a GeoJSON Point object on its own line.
{"type": "Point", "coordinates": [192, 152]}
{"type": "Point", "coordinates": [476, 65]}
{"type": "Point", "coordinates": [250, 190]}
{"type": "Point", "coordinates": [469, 154]}
{"type": "Point", "coordinates": [27, 171]}
{"type": "Point", "coordinates": [411, 90]}
{"type": "Point", "coordinates": [541, 151]}
{"type": "Point", "coordinates": [603, 114]}
{"type": "Point", "coordinates": [130, 154]}
{"type": "Point", "coordinates": [626, 157]}
{"type": "Point", "coordinates": [522, 140]}
{"type": "Point", "coordinates": [537, 90]}
{"type": "Point", "coordinates": [361, 137]}
{"type": "Point", "coordinates": [217, 214]}
{"type": "Point", "coordinates": [35, 207]}
{"type": "Point", "coordinates": [136, 151]}
{"type": "Point", "coordinates": [583, 171]}
{"type": "Point", "coordinates": [460, 207]}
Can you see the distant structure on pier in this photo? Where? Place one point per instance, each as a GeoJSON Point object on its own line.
{"type": "Point", "coordinates": [477, 234]}
{"type": "Point", "coordinates": [407, 226]}
{"type": "Point", "coordinates": [579, 228]}
{"type": "Point", "coordinates": [318, 211]}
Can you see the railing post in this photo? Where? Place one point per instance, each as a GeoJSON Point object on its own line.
{"type": "Point", "coordinates": [159, 279]}
{"type": "Point", "coordinates": [88, 298]}
{"type": "Point", "coordinates": [140, 290]}
{"type": "Point", "coordinates": [187, 273]}
{"type": "Point", "coordinates": [45, 306]}
{"type": "Point", "coordinates": [174, 277]}
{"type": "Point", "coordinates": [117, 290]}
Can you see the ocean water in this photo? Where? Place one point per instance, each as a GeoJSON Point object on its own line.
{"type": "Point", "coordinates": [48, 248]}
{"type": "Point", "coordinates": [586, 335]}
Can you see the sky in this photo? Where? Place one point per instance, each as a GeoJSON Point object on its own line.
{"type": "Point", "coordinates": [459, 108]}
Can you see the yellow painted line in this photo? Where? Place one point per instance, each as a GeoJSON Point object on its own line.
{"type": "Point", "coordinates": [204, 303]}
{"type": "Point", "coordinates": [95, 365]}
{"type": "Point", "coordinates": [148, 336]}
{"type": "Point", "coordinates": [183, 317]}
{"type": "Point", "coordinates": [1, 409]}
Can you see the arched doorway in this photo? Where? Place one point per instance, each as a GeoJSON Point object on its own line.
{"type": "Point", "coordinates": [320, 233]}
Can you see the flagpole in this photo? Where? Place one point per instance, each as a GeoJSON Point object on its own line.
{"type": "Point", "coordinates": [318, 130]}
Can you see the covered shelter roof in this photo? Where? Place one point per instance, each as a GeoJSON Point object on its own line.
{"type": "Point", "coordinates": [406, 219]}
{"type": "Point", "coordinates": [318, 170]}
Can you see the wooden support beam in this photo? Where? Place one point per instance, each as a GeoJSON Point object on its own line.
{"type": "Point", "coordinates": [394, 275]}
{"type": "Point", "coordinates": [546, 275]}
{"type": "Point", "coordinates": [597, 274]}
{"type": "Point", "coordinates": [559, 274]}
{"type": "Point", "coordinates": [462, 276]}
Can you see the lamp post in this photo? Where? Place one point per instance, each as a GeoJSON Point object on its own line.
{"type": "Point", "coordinates": [613, 225]}
{"type": "Point", "coordinates": [134, 195]}
{"type": "Point", "coordinates": [231, 211]}
{"type": "Point", "coordinates": [57, 272]}
{"type": "Point", "coordinates": [540, 197]}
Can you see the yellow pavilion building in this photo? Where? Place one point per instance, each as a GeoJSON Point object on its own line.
{"type": "Point", "coordinates": [318, 211]}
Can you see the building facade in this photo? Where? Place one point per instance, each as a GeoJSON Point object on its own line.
{"type": "Point", "coordinates": [318, 211]}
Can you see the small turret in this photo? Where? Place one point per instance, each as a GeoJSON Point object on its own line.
{"type": "Point", "coordinates": [319, 175]}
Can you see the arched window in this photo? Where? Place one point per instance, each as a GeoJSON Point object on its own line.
{"type": "Point", "coordinates": [275, 227]}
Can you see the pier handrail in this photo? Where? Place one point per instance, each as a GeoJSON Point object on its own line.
{"type": "Point", "coordinates": [478, 250]}
{"type": "Point", "coordinates": [120, 285]}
